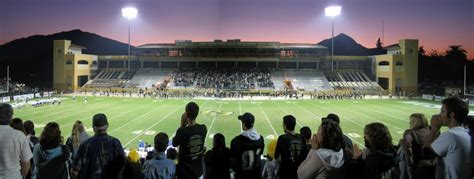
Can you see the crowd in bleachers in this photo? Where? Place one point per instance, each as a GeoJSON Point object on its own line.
{"type": "Point", "coordinates": [224, 78]}
{"type": "Point", "coordinates": [423, 152]}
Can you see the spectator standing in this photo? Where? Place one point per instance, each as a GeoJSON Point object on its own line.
{"type": "Point", "coordinates": [17, 124]}
{"type": "Point", "coordinates": [132, 169]}
{"type": "Point", "coordinates": [160, 167]}
{"type": "Point", "coordinates": [50, 158]}
{"type": "Point", "coordinates": [326, 158]}
{"type": "Point", "coordinates": [380, 154]}
{"type": "Point", "coordinates": [32, 139]}
{"type": "Point", "coordinates": [78, 136]}
{"type": "Point", "coordinates": [246, 150]}
{"type": "Point", "coordinates": [306, 134]}
{"type": "Point", "coordinates": [15, 153]}
{"type": "Point", "coordinates": [217, 160]}
{"type": "Point", "coordinates": [190, 138]}
{"type": "Point", "coordinates": [270, 169]}
{"type": "Point", "coordinates": [454, 146]}
{"type": "Point", "coordinates": [101, 156]}
{"type": "Point", "coordinates": [30, 133]}
{"type": "Point", "coordinates": [347, 140]}
{"type": "Point", "coordinates": [290, 149]}
{"type": "Point", "coordinates": [414, 162]}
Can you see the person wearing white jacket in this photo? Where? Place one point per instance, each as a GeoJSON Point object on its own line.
{"type": "Point", "coordinates": [326, 157]}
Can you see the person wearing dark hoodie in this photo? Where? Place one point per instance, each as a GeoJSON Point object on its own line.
{"type": "Point", "coordinates": [50, 158]}
{"type": "Point", "coordinates": [380, 156]}
{"type": "Point", "coordinates": [246, 150]}
{"type": "Point", "coordinates": [326, 158]}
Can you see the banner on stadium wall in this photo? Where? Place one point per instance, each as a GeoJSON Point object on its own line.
{"type": "Point", "coordinates": [427, 97]}
{"type": "Point", "coordinates": [6, 99]}
{"type": "Point", "coordinates": [47, 94]}
{"type": "Point", "coordinates": [17, 97]}
{"type": "Point", "coordinates": [438, 98]}
{"type": "Point", "coordinates": [37, 95]}
{"type": "Point", "coordinates": [30, 96]}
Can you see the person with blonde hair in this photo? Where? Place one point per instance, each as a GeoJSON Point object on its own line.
{"type": "Point", "coordinates": [78, 136]}
{"type": "Point", "coordinates": [414, 162]}
{"type": "Point", "coordinates": [132, 169]}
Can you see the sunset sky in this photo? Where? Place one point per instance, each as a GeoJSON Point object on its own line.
{"type": "Point", "coordinates": [436, 23]}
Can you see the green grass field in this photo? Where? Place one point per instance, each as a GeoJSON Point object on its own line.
{"type": "Point", "coordinates": [133, 119]}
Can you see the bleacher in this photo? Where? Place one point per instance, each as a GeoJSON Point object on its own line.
{"type": "Point", "coordinates": [111, 78]}
{"type": "Point", "coordinates": [146, 77]}
{"type": "Point", "coordinates": [308, 80]}
{"type": "Point", "coordinates": [356, 80]}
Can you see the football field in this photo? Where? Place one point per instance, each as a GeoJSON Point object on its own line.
{"type": "Point", "coordinates": [133, 119]}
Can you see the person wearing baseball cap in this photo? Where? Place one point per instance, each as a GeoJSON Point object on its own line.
{"type": "Point", "coordinates": [246, 149]}
{"type": "Point", "coordinates": [99, 162]}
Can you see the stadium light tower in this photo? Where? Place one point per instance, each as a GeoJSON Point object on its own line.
{"type": "Point", "coordinates": [129, 13]}
{"type": "Point", "coordinates": [332, 11]}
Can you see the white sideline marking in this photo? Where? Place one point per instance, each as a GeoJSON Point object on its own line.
{"type": "Point", "coordinates": [287, 113]}
{"type": "Point", "coordinates": [214, 119]}
{"type": "Point", "coordinates": [240, 113]}
{"type": "Point", "coordinates": [39, 125]}
{"type": "Point", "coordinates": [268, 120]}
{"type": "Point", "coordinates": [157, 122]}
{"type": "Point", "coordinates": [354, 135]}
{"type": "Point", "coordinates": [137, 118]}
{"type": "Point", "coordinates": [270, 137]}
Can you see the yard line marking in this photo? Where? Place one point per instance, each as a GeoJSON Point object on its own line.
{"type": "Point", "coordinates": [143, 115]}
{"type": "Point", "coordinates": [212, 123]}
{"type": "Point", "coordinates": [157, 122]}
{"type": "Point", "coordinates": [65, 117]}
{"type": "Point", "coordinates": [286, 112]}
{"type": "Point", "coordinates": [240, 113]}
{"type": "Point", "coordinates": [386, 114]}
{"type": "Point", "coordinates": [384, 122]}
{"type": "Point", "coordinates": [406, 109]}
{"type": "Point", "coordinates": [55, 108]}
{"type": "Point", "coordinates": [114, 117]}
{"type": "Point", "coordinates": [268, 120]}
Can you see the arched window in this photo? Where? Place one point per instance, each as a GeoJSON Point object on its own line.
{"type": "Point", "coordinates": [69, 62]}
{"type": "Point", "coordinates": [384, 63]}
{"type": "Point", "coordinates": [82, 62]}
{"type": "Point", "coordinates": [399, 63]}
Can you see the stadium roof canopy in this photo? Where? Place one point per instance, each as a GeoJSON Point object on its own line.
{"type": "Point", "coordinates": [229, 44]}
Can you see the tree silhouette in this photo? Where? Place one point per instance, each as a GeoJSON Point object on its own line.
{"type": "Point", "coordinates": [421, 51]}
{"type": "Point", "coordinates": [454, 62]}
{"type": "Point", "coordinates": [456, 52]}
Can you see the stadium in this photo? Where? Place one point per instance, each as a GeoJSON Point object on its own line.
{"type": "Point", "coordinates": [235, 109]}
{"type": "Point", "coordinates": [146, 93]}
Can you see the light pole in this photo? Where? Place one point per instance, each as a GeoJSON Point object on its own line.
{"type": "Point", "coordinates": [332, 11]}
{"type": "Point", "coordinates": [129, 13]}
